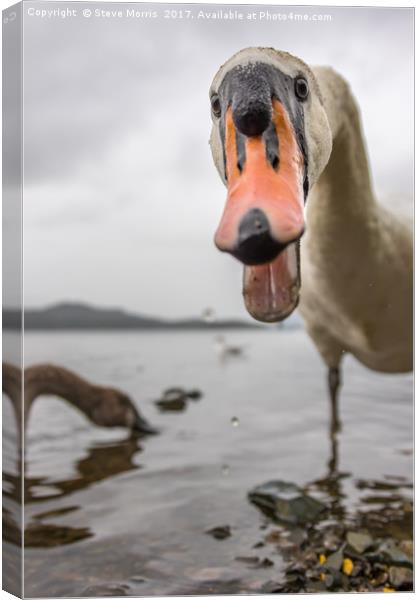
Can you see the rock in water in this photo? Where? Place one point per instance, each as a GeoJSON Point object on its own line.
{"type": "Point", "coordinates": [284, 501]}
{"type": "Point", "coordinates": [194, 394]}
{"type": "Point", "coordinates": [173, 404]}
{"type": "Point", "coordinates": [359, 541]}
{"type": "Point", "coordinates": [176, 399]}
{"type": "Point", "coordinates": [394, 555]}
{"type": "Point", "coordinates": [220, 533]}
{"type": "Point", "coordinates": [335, 560]}
{"type": "Point", "coordinates": [401, 578]}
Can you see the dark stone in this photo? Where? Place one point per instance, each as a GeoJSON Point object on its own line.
{"type": "Point", "coordinates": [194, 394]}
{"type": "Point", "coordinates": [285, 501]}
{"type": "Point", "coordinates": [171, 405]}
{"type": "Point", "coordinates": [266, 563]}
{"type": "Point", "coordinates": [175, 399]}
{"type": "Point", "coordinates": [220, 533]}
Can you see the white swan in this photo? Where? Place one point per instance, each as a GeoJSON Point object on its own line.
{"type": "Point", "coordinates": [285, 135]}
{"type": "Point", "coordinates": [226, 350]}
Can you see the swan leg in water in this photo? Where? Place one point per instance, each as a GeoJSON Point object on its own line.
{"type": "Point", "coordinates": [334, 383]}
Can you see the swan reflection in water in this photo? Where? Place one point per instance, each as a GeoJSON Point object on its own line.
{"type": "Point", "coordinates": [101, 462]}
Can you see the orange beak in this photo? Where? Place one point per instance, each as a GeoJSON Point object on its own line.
{"type": "Point", "coordinates": [278, 193]}
{"type": "Point", "coordinates": [271, 287]}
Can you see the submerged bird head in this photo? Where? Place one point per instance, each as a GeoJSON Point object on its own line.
{"type": "Point", "coordinates": [113, 408]}
{"type": "Point", "coordinates": [270, 141]}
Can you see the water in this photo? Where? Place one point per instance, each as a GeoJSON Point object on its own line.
{"type": "Point", "coordinates": [106, 513]}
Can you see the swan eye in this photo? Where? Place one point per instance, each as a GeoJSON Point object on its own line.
{"type": "Point", "coordinates": [301, 88]}
{"type": "Point", "coordinates": [216, 106]}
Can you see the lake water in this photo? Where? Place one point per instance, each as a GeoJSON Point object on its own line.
{"type": "Point", "coordinates": [106, 513]}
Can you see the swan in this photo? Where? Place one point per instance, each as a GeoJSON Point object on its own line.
{"type": "Point", "coordinates": [225, 350]}
{"type": "Point", "coordinates": [301, 213]}
{"type": "Point", "coordinates": [103, 406]}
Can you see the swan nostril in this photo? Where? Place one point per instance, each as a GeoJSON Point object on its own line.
{"type": "Point", "coordinates": [253, 124]}
{"type": "Point", "coordinates": [275, 162]}
{"type": "Point", "coordinates": [252, 118]}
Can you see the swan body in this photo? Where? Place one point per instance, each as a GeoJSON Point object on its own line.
{"type": "Point", "coordinates": [357, 257]}
{"type": "Point", "coordinates": [352, 271]}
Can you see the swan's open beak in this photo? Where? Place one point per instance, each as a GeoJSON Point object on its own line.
{"type": "Point", "coordinates": [263, 217]}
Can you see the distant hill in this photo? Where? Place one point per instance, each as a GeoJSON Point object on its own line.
{"type": "Point", "coordinates": [69, 315]}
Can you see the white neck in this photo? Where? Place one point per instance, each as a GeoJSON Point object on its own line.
{"type": "Point", "coordinates": [341, 202]}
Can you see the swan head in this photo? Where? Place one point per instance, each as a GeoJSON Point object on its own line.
{"type": "Point", "coordinates": [113, 408]}
{"type": "Point", "coordinates": [270, 142]}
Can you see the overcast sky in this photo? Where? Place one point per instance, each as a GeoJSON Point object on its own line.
{"type": "Point", "coordinates": [121, 195]}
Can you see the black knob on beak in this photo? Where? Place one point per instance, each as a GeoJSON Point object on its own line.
{"type": "Point", "coordinates": [255, 243]}
{"type": "Point", "coordinates": [252, 118]}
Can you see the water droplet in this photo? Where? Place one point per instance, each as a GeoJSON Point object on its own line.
{"type": "Point", "coordinates": [225, 469]}
{"type": "Point", "coordinates": [234, 421]}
